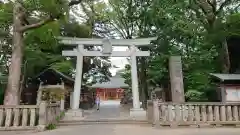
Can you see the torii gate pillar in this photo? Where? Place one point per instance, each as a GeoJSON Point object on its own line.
{"type": "Point", "coordinates": [136, 111]}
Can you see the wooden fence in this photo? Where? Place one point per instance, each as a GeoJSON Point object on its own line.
{"type": "Point", "coordinates": [192, 113]}
{"type": "Point", "coordinates": [28, 117]}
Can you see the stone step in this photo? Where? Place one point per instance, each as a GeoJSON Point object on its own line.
{"type": "Point", "coordinates": [101, 121]}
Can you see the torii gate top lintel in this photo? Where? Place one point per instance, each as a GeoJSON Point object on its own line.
{"type": "Point", "coordinates": [113, 42]}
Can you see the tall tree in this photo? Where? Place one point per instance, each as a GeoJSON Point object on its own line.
{"type": "Point", "coordinates": [212, 14]}
{"type": "Point", "coordinates": [42, 12]}
{"type": "Point", "coordinates": [184, 29]}
{"type": "Point", "coordinates": [125, 19]}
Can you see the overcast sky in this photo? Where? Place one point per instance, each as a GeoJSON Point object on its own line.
{"type": "Point", "coordinates": [120, 62]}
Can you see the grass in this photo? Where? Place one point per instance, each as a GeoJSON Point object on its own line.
{"type": "Point", "coordinates": [53, 126]}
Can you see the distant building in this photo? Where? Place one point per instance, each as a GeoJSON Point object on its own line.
{"type": "Point", "coordinates": [228, 87]}
{"type": "Point", "coordinates": [111, 90]}
{"type": "Point", "coordinates": [53, 77]}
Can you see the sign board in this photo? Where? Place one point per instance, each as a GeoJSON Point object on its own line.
{"type": "Point", "coordinates": [232, 94]}
{"type": "Point", "coordinates": [107, 47]}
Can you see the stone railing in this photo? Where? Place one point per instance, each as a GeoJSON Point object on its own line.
{"type": "Point", "coordinates": [28, 117]}
{"type": "Point", "coordinates": [15, 117]}
{"type": "Point", "coordinates": [198, 114]}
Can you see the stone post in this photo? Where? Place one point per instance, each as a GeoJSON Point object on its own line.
{"type": "Point", "coordinates": [43, 120]}
{"type": "Point", "coordinates": [176, 78]}
{"type": "Point", "coordinates": [156, 113]}
{"type": "Point", "coordinates": [71, 99]}
{"type": "Point", "coordinates": [39, 93]}
{"type": "Point", "coordinates": [62, 103]}
{"type": "Point", "coordinates": [223, 94]}
{"type": "Point", "coordinates": [62, 100]}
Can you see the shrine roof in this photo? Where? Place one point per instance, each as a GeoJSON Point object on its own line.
{"type": "Point", "coordinates": [49, 73]}
{"type": "Point", "coordinates": [115, 82]}
{"type": "Point", "coordinates": [226, 77]}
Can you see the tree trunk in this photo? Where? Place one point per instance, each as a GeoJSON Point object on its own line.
{"type": "Point", "coordinates": [143, 78]}
{"type": "Point", "coordinates": [12, 91]}
{"type": "Point", "coordinates": [22, 81]}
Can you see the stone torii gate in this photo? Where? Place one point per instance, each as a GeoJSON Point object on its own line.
{"type": "Point", "coordinates": [106, 44]}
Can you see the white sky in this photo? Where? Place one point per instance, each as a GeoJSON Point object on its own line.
{"type": "Point", "coordinates": [120, 62]}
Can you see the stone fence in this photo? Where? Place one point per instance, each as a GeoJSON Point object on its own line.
{"type": "Point", "coordinates": [28, 117]}
{"type": "Point", "coordinates": [193, 114]}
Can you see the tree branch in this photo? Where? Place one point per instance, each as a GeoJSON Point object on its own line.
{"type": "Point", "coordinates": [37, 25]}
{"type": "Point", "coordinates": [225, 3]}
{"type": "Point", "coordinates": [74, 2]}
{"type": "Point", "coordinates": [213, 4]}
{"type": "Point", "coordinates": [207, 10]}
{"type": "Point", "coordinates": [236, 8]}
{"type": "Point", "coordinates": [204, 6]}
{"type": "Point", "coordinates": [48, 19]}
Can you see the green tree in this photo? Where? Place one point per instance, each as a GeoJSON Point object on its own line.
{"type": "Point", "coordinates": [30, 19]}
{"type": "Point", "coordinates": [190, 30]}
{"type": "Point", "coordinates": [193, 29]}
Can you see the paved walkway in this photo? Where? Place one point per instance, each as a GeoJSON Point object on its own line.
{"type": "Point", "coordinates": [109, 110]}
{"type": "Point", "coordinates": [132, 130]}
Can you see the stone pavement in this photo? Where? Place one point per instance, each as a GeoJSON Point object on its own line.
{"type": "Point", "coordinates": [109, 110]}
{"type": "Point", "coordinates": [108, 129]}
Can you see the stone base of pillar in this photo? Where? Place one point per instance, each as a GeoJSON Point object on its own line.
{"type": "Point", "coordinates": [138, 114]}
{"type": "Point", "coordinates": [72, 115]}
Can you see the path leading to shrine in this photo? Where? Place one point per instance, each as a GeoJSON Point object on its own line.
{"type": "Point", "coordinates": [109, 110]}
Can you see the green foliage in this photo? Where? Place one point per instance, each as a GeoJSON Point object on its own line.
{"type": "Point", "coordinates": [65, 66]}
{"type": "Point", "coordinates": [46, 41]}
{"type": "Point", "coordinates": [233, 25]}
{"type": "Point", "coordinates": [51, 7]}
{"type": "Point", "coordinates": [182, 29]}
{"type": "Point", "coordinates": [194, 95]}
{"type": "Point", "coordinates": [41, 48]}
{"type": "Point", "coordinates": [2, 88]}
{"type": "Point", "coordinates": [62, 114]}
{"type": "Point", "coordinates": [5, 13]}
{"type": "Point", "coordinates": [44, 51]}
{"type": "Point", "coordinates": [127, 75]}
{"type": "Point", "coordinates": [51, 126]}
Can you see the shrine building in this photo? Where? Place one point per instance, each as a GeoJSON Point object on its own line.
{"type": "Point", "coordinates": [228, 87]}
{"type": "Point", "coordinates": [111, 90]}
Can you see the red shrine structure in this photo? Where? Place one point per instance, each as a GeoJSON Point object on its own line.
{"type": "Point", "coordinates": [111, 90]}
{"type": "Point", "coordinates": [110, 93]}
